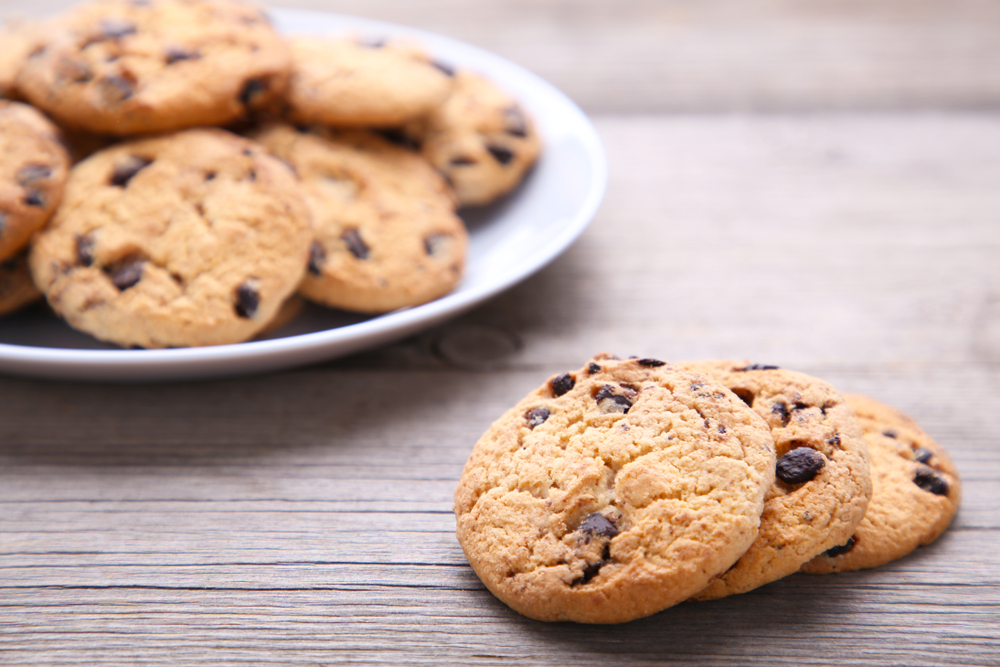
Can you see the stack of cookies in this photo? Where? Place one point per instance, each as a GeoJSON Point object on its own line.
{"type": "Point", "coordinates": [177, 170]}
{"type": "Point", "coordinates": [630, 485]}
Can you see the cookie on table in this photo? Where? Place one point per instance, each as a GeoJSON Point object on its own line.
{"type": "Point", "coordinates": [386, 234]}
{"type": "Point", "coordinates": [16, 287]}
{"type": "Point", "coordinates": [613, 492]}
{"type": "Point", "coordinates": [345, 81]}
{"type": "Point", "coordinates": [32, 174]}
{"type": "Point", "coordinates": [480, 139]}
{"type": "Point", "coordinates": [822, 483]}
{"type": "Point", "coordinates": [193, 238]}
{"type": "Point", "coordinates": [124, 67]}
{"type": "Point", "coordinates": [915, 492]}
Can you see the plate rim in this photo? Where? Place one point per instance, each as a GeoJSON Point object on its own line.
{"type": "Point", "coordinates": [219, 361]}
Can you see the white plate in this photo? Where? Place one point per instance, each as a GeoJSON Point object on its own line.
{"type": "Point", "coordinates": [508, 242]}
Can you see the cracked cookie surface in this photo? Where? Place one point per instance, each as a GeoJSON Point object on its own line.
{"type": "Point", "coordinates": [915, 491]}
{"type": "Point", "coordinates": [613, 492]}
{"type": "Point", "coordinates": [386, 234]}
{"type": "Point", "coordinates": [194, 238]}
{"type": "Point", "coordinates": [822, 483]}
{"type": "Point", "coordinates": [123, 67]}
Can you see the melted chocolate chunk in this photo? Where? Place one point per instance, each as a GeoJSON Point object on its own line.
{"type": "Point", "coordinates": [173, 54]}
{"type": "Point", "coordinates": [34, 198]}
{"type": "Point", "coordinates": [609, 401]}
{"type": "Point", "coordinates": [247, 298]}
{"type": "Point", "coordinates": [799, 465]}
{"type": "Point", "coordinates": [931, 481]}
{"type": "Point", "coordinates": [317, 257]}
{"type": "Point", "coordinates": [30, 174]}
{"type": "Point", "coordinates": [590, 571]}
{"type": "Point", "coordinates": [127, 168]}
{"type": "Point", "coordinates": [889, 433]}
{"type": "Point", "coordinates": [922, 455]}
{"type": "Point", "coordinates": [842, 549]}
{"type": "Point", "coordinates": [781, 410]}
{"type": "Point", "coordinates": [355, 243]}
{"type": "Point", "coordinates": [536, 416]}
{"type": "Point", "coordinates": [251, 90]}
{"type": "Point", "coordinates": [127, 273]}
{"type": "Point", "coordinates": [650, 363]}
{"type": "Point", "coordinates": [501, 154]}
{"type": "Point", "coordinates": [758, 367]}
{"type": "Point", "coordinates": [597, 525]}
{"type": "Point", "coordinates": [85, 249]}
{"type": "Point", "coordinates": [562, 383]}
{"type": "Point", "coordinates": [514, 122]}
{"type": "Point", "coordinates": [116, 88]}
{"type": "Point", "coordinates": [593, 368]}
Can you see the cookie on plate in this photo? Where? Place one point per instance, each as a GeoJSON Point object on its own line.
{"type": "Point", "coordinates": [16, 287]}
{"type": "Point", "coordinates": [480, 139]}
{"type": "Point", "coordinates": [613, 492]}
{"type": "Point", "coordinates": [915, 492]}
{"type": "Point", "coordinates": [345, 81]}
{"type": "Point", "coordinates": [122, 67]}
{"type": "Point", "coordinates": [386, 234]}
{"type": "Point", "coordinates": [193, 238]}
{"type": "Point", "coordinates": [32, 174]}
{"type": "Point", "coordinates": [822, 484]}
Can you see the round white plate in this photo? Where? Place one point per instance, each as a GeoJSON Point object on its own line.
{"type": "Point", "coordinates": [508, 242]}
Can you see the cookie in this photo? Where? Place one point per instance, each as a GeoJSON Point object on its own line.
{"type": "Point", "coordinates": [344, 81]}
{"type": "Point", "coordinates": [193, 238]}
{"type": "Point", "coordinates": [122, 67]}
{"type": "Point", "coordinates": [915, 492]}
{"type": "Point", "coordinates": [613, 492]}
{"type": "Point", "coordinates": [32, 174]}
{"type": "Point", "coordinates": [822, 484]}
{"type": "Point", "coordinates": [17, 40]}
{"type": "Point", "coordinates": [16, 287]}
{"type": "Point", "coordinates": [386, 234]}
{"type": "Point", "coordinates": [480, 139]}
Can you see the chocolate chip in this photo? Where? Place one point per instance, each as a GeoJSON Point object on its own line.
{"type": "Point", "coordinates": [842, 549]}
{"type": "Point", "coordinates": [251, 89]}
{"type": "Point", "coordinates": [835, 441]}
{"type": "Point", "coordinates": [317, 257]}
{"type": "Point", "coordinates": [116, 28]}
{"type": "Point", "coordinates": [127, 273]}
{"type": "Point", "coordinates": [462, 161]}
{"type": "Point", "coordinates": [799, 465]}
{"type": "Point", "coordinates": [445, 69]}
{"type": "Point", "coordinates": [127, 168]}
{"type": "Point", "coordinates": [608, 401]}
{"type": "Point", "coordinates": [210, 176]}
{"type": "Point", "coordinates": [562, 383]}
{"type": "Point", "coordinates": [34, 198]}
{"type": "Point", "coordinates": [930, 481]}
{"type": "Point", "coordinates": [758, 367]}
{"type": "Point", "coordinates": [501, 154]}
{"type": "Point", "coordinates": [889, 433]}
{"type": "Point", "coordinates": [85, 249]}
{"type": "Point", "coordinates": [30, 174]}
{"type": "Point", "coordinates": [247, 298]}
{"type": "Point", "coordinates": [590, 571]}
{"type": "Point", "coordinates": [355, 243]}
{"type": "Point", "coordinates": [781, 410]}
{"type": "Point", "coordinates": [922, 454]}
{"type": "Point", "coordinates": [536, 416]}
{"type": "Point", "coordinates": [435, 244]}
{"type": "Point", "coordinates": [597, 525]}
{"type": "Point", "coordinates": [514, 122]}
{"type": "Point", "coordinates": [593, 368]}
{"type": "Point", "coordinates": [174, 54]}
{"type": "Point", "coordinates": [115, 88]}
{"type": "Point", "coordinates": [650, 363]}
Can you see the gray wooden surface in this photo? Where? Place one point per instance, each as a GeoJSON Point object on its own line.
{"type": "Point", "coordinates": [815, 185]}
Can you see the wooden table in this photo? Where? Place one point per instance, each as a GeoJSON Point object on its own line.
{"type": "Point", "coordinates": [814, 185]}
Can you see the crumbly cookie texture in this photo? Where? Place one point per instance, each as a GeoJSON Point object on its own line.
{"type": "Point", "coordinates": [480, 139]}
{"type": "Point", "coordinates": [915, 492]}
{"type": "Point", "coordinates": [386, 234]}
{"type": "Point", "coordinates": [822, 482]}
{"type": "Point", "coordinates": [613, 492]}
{"type": "Point", "coordinates": [32, 174]}
{"type": "Point", "coordinates": [194, 238]}
{"type": "Point", "coordinates": [345, 81]}
{"type": "Point", "coordinates": [123, 67]}
{"type": "Point", "coordinates": [16, 287]}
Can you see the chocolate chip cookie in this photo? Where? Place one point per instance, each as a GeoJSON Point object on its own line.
{"type": "Point", "coordinates": [822, 483]}
{"type": "Point", "coordinates": [915, 492]}
{"type": "Point", "coordinates": [612, 492]}
{"type": "Point", "coordinates": [32, 174]}
{"type": "Point", "coordinates": [386, 234]}
{"type": "Point", "coordinates": [480, 139]}
{"type": "Point", "coordinates": [193, 238]}
{"type": "Point", "coordinates": [123, 67]}
{"type": "Point", "coordinates": [345, 81]}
